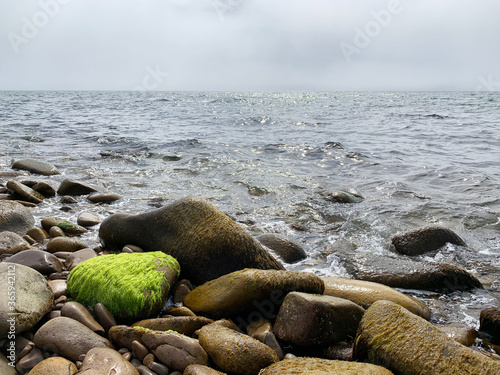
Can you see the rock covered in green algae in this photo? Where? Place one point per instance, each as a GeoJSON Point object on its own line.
{"type": "Point", "coordinates": [407, 344]}
{"type": "Point", "coordinates": [132, 286]}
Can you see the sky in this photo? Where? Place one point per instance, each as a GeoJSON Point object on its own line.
{"type": "Point", "coordinates": [250, 45]}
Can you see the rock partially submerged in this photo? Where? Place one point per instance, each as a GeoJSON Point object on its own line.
{"type": "Point", "coordinates": [205, 241]}
{"type": "Point", "coordinates": [132, 286]}
{"type": "Point", "coordinates": [490, 324]}
{"type": "Point", "coordinates": [69, 187]}
{"type": "Point", "coordinates": [407, 344]}
{"type": "Point", "coordinates": [36, 166]}
{"type": "Point", "coordinates": [423, 240]}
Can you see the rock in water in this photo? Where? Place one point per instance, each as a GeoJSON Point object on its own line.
{"type": "Point", "coordinates": [69, 187]}
{"type": "Point", "coordinates": [32, 298]}
{"type": "Point", "coordinates": [14, 217]}
{"type": "Point", "coordinates": [423, 240]}
{"type": "Point", "coordinates": [24, 192]}
{"type": "Point", "coordinates": [36, 166]}
{"type": "Point", "coordinates": [319, 366]}
{"type": "Point", "coordinates": [132, 286]}
{"type": "Point", "coordinates": [364, 293]}
{"type": "Point", "coordinates": [288, 250]}
{"type": "Point", "coordinates": [205, 241]}
{"type": "Point", "coordinates": [407, 344]}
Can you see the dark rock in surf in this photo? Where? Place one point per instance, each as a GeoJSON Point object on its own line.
{"type": "Point", "coordinates": [45, 189]}
{"type": "Point", "coordinates": [205, 241]}
{"type": "Point", "coordinates": [423, 240]}
{"type": "Point", "coordinates": [490, 324]}
{"type": "Point", "coordinates": [288, 250]}
{"type": "Point", "coordinates": [69, 187]}
{"type": "Point", "coordinates": [41, 261]}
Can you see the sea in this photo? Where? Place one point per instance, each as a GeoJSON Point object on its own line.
{"type": "Point", "coordinates": [270, 160]}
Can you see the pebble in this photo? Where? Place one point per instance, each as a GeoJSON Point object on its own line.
{"type": "Point", "coordinates": [80, 313]}
{"type": "Point", "coordinates": [41, 261]}
{"type": "Point", "coordinates": [29, 361]}
{"type": "Point", "coordinates": [139, 351]}
{"type": "Point", "coordinates": [66, 244]}
{"type": "Point", "coordinates": [182, 289]}
{"type": "Point", "coordinates": [68, 199]}
{"type": "Point", "coordinates": [38, 234]}
{"type": "Point", "coordinates": [158, 368]}
{"type": "Point", "coordinates": [132, 249]}
{"type": "Point", "coordinates": [106, 361]}
{"type": "Point", "coordinates": [56, 232]}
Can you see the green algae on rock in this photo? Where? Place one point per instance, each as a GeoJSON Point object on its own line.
{"type": "Point", "coordinates": [131, 286]}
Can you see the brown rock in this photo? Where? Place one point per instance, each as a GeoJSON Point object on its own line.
{"type": "Point", "coordinates": [41, 261]}
{"type": "Point", "coordinates": [54, 366]}
{"type": "Point", "coordinates": [14, 217]}
{"type": "Point", "coordinates": [106, 361]}
{"type": "Point", "coordinates": [56, 232]}
{"type": "Point", "coordinates": [262, 330]}
{"type": "Point", "coordinates": [201, 370]}
{"type": "Point", "coordinates": [423, 240]}
{"type": "Point", "coordinates": [78, 257]}
{"type": "Point", "coordinates": [65, 244]}
{"type": "Point", "coordinates": [11, 243]}
{"type": "Point", "coordinates": [88, 219]}
{"type": "Point", "coordinates": [45, 189]}
{"type": "Point", "coordinates": [77, 311]}
{"type": "Point", "coordinates": [461, 334]}
{"type": "Point", "coordinates": [287, 250]}
{"type": "Point", "coordinates": [25, 193]}
{"type": "Point", "coordinates": [104, 197]}
{"type": "Point", "coordinates": [38, 234]}
{"type": "Point", "coordinates": [490, 324]}
{"type": "Point", "coordinates": [186, 325]}
{"type": "Point", "coordinates": [104, 316]}
{"type": "Point", "coordinates": [58, 287]}
{"type": "Point", "coordinates": [318, 366]}
{"type": "Point", "coordinates": [26, 363]}
{"type": "Point", "coordinates": [69, 187]}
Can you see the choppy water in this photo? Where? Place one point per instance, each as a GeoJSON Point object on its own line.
{"type": "Point", "coordinates": [267, 159]}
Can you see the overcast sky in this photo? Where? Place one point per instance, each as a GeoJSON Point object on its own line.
{"type": "Point", "coordinates": [249, 45]}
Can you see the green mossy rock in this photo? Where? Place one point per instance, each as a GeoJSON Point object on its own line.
{"type": "Point", "coordinates": [407, 344]}
{"type": "Point", "coordinates": [132, 286]}
{"type": "Point", "coordinates": [317, 366]}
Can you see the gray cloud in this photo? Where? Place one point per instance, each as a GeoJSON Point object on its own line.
{"type": "Point", "coordinates": [248, 44]}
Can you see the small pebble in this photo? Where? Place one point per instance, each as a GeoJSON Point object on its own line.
{"type": "Point", "coordinates": [140, 351]}
{"type": "Point", "coordinates": [127, 356]}
{"type": "Point", "coordinates": [29, 361]}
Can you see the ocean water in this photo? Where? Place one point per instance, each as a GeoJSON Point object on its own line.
{"type": "Point", "coordinates": [269, 159]}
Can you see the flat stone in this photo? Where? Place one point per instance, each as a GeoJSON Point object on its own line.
{"type": "Point", "coordinates": [104, 197]}
{"type": "Point", "coordinates": [42, 261]}
{"type": "Point", "coordinates": [14, 217]}
{"type": "Point", "coordinates": [25, 193]}
{"type": "Point", "coordinates": [36, 166]}
{"type": "Point", "coordinates": [69, 187]}
{"type": "Point", "coordinates": [88, 219]}
{"type": "Point", "coordinates": [54, 366]}
{"type": "Point", "coordinates": [12, 243]}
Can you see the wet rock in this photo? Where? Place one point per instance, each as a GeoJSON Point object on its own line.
{"type": "Point", "coordinates": [490, 324]}
{"type": "Point", "coordinates": [249, 289]}
{"type": "Point", "coordinates": [36, 166]}
{"type": "Point", "coordinates": [423, 240]}
{"type": "Point", "coordinates": [181, 311]}
{"type": "Point", "coordinates": [54, 366]}
{"type": "Point", "coordinates": [58, 287]}
{"type": "Point", "coordinates": [33, 297]}
{"type": "Point", "coordinates": [343, 197]}
{"type": "Point", "coordinates": [88, 219]}
{"type": "Point", "coordinates": [77, 311]}
{"type": "Point", "coordinates": [14, 217]}
{"type": "Point", "coordinates": [39, 260]}
{"type": "Point", "coordinates": [132, 286]}
{"type": "Point", "coordinates": [364, 293]}
{"type": "Point", "coordinates": [159, 368]}
{"type": "Point", "coordinates": [235, 352]}
{"type": "Point", "coordinates": [287, 250]}
{"type": "Point", "coordinates": [5, 368]}
{"type": "Point", "coordinates": [24, 193]}
{"type": "Point", "coordinates": [106, 361]}
{"type": "Point", "coordinates": [104, 197]}
{"type": "Point", "coordinates": [182, 289]}
{"type": "Point", "coordinates": [205, 241]}
{"type": "Point", "coordinates": [25, 364]}
{"type": "Point", "coordinates": [186, 325]}
{"type": "Point", "coordinates": [201, 370]}
{"type": "Point", "coordinates": [69, 338]}
{"type": "Point", "coordinates": [174, 350]}
{"type": "Point", "coordinates": [45, 189]}
{"type": "Point", "coordinates": [11, 243]}
{"type": "Point", "coordinates": [69, 187]}
{"type": "Point", "coordinates": [104, 316]}
{"type": "Point", "coordinates": [409, 274]}
{"type": "Point", "coordinates": [317, 320]}
{"type": "Point", "coordinates": [319, 366]}
{"type": "Point", "coordinates": [132, 249]}
{"type": "Point", "coordinates": [68, 199]}
{"type": "Point", "coordinates": [262, 330]}
{"type": "Point", "coordinates": [138, 350]}
{"type": "Point", "coordinates": [123, 336]}
{"type": "Point", "coordinates": [461, 334]}
{"type": "Point", "coordinates": [65, 244]}
{"type": "Point", "coordinates": [79, 256]}
{"type": "Point", "coordinates": [70, 228]}
{"type": "Point", "coordinates": [405, 343]}
{"type": "Point", "coordinates": [56, 232]}
{"type": "Point", "coordinates": [38, 234]}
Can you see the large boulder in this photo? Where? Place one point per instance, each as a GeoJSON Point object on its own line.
{"type": "Point", "coordinates": [25, 298]}
{"type": "Point", "coordinates": [69, 338]}
{"type": "Point", "coordinates": [423, 240]}
{"type": "Point", "coordinates": [235, 352]}
{"type": "Point", "coordinates": [250, 289]}
{"type": "Point", "coordinates": [319, 366]}
{"type": "Point", "coordinates": [132, 286]}
{"type": "Point", "coordinates": [316, 320]}
{"type": "Point", "coordinates": [36, 166]}
{"type": "Point", "coordinates": [407, 344]}
{"type": "Point", "coordinates": [205, 241]}
{"type": "Point", "coordinates": [364, 293]}
{"type": "Point", "coordinates": [406, 273]}
{"type": "Point", "coordinates": [14, 217]}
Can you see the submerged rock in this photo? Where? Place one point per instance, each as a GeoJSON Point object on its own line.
{"type": "Point", "coordinates": [131, 286]}
{"type": "Point", "coordinates": [343, 197]}
{"type": "Point", "coordinates": [288, 250]}
{"type": "Point", "coordinates": [365, 293]}
{"type": "Point", "coordinates": [205, 241]}
{"type": "Point", "coordinates": [36, 166]}
{"type": "Point", "coordinates": [319, 366]}
{"type": "Point", "coordinates": [423, 240]}
{"type": "Point", "coordinates": [407, 344]}
{"type": "Point", "coordinates": [14, 217]}
{"type": "Point", "coordinates": [69, 187]}
{"type": "Point", "coordinates": [250, 289]}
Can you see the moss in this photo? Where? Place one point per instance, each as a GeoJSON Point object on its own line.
{"type": "Point", "coordinates": [124, 283]}
{"type": "Point", "coordinates": [65, 224]}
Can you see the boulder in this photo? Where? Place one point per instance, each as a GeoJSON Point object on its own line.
{"type": "Point", "coordinates": [54, 366]}
{"type": "Point", "coordinates": [287, 250]}
{"type": "Point", "coordinates": [26, 294]}
{"type": "Point", "coordinates": [24, 192]}
{"type": "Point", "coordinates": [248, 290]}
{"type": "Point", "coordinates": [490, 324]}
{"type": "Point", "coordinates": [316, 320]}
{"type": "Point", "coordinates": [423, 240]}
{"type": "Point", "coordinates": [69, 187]}
{"type": "Point", "coordinates": [235, 352]}
{"type": "Point", "coordinates": [69, 338]}
{"type": "Point", "coordinates": [205, 241]}
{"type": "Point", "coordinates": [407, 344]}
{"type": "Point", "coordinates": [104, 361]}
{"type": "Point", "coordinates": [175, 350]}
{"type": "Point", "coordinates": [319, 366]}
{"type": "Point", "coordinates": [39, 260]}
{"type": "Point", "coordinates": [12, 243]}
{"type": "Point", "coordinates": [14, 217]}
{"type": "Point", "coordinates": [132, 286]}
{"type": "Point", "coordinates": [186, 325]}
{"type": "Point", "coordinates": [36, 166]}
{"type": "Point", "coordinates": [409, 274]}
{"type": "Point", "coordinates": [364, 293]}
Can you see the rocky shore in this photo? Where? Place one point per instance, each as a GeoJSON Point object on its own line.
{"type": "Point", "coordinates": [184, 289]}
